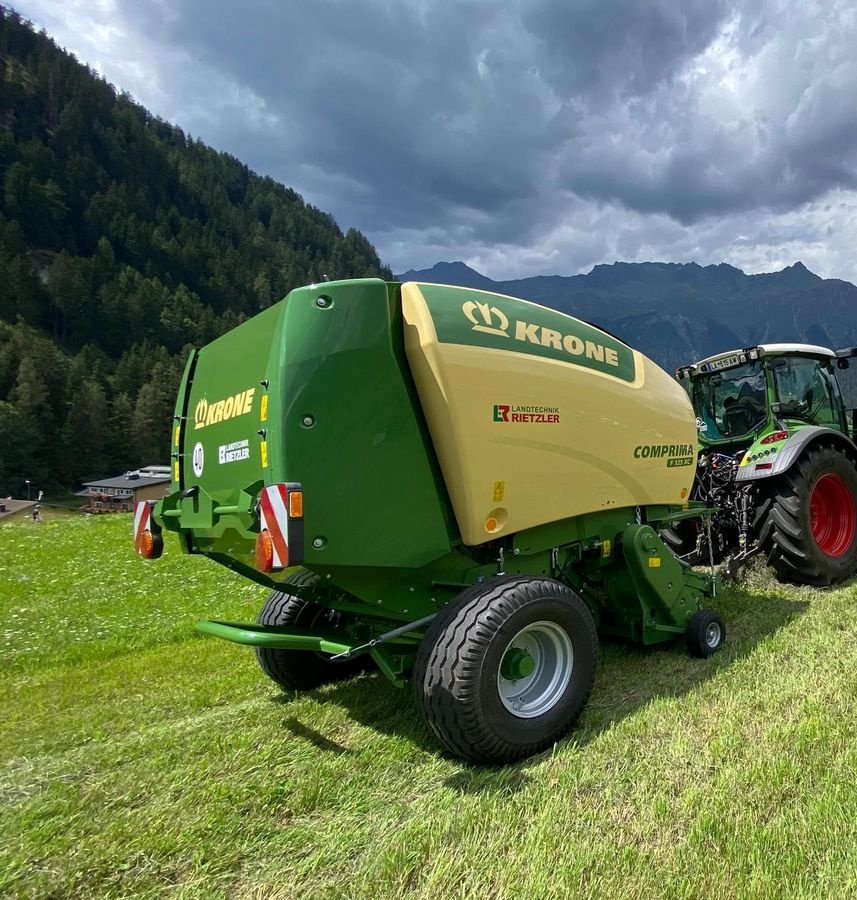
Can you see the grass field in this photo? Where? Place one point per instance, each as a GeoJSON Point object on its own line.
{"type": "Point", "coordinates": [140, 760]}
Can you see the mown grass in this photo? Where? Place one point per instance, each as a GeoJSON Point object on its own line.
{"type": "Point", "coordinates": [140, 760]}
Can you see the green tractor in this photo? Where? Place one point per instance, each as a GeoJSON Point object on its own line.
{"type": "Point", "coordinates": [777, 459]}
{"type": "Point", "coordinates": [457, 488]}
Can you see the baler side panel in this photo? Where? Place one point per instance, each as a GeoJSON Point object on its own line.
{"type": "Point", "coordinates": [344, 424]}
{"type": "Point", "coordinates": [605, 433]}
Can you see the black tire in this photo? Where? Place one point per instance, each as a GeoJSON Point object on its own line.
{"type": "Point", "coordinates": [457, 675]}
{"type": "Point", "coordinates": [302, 670]}
{"type": "Point", "coordinates": [706, 633]}
{"type": "Point", "coordinates": [799, 552]}
{"type": "Point", "coordinates": [682, 539]}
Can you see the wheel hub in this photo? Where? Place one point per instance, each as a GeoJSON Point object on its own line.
{"type": "Point", "coordinates": [832, 515]}
{"type": "Point", "coordinates": [712, 635]}
{"type": "Point", "coordinates": [535, 669]}
{"type": "Point", "coordinates": [517, 663]}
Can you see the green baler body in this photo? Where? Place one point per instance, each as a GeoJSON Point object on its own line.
{"type": "Point", "coordinates": [317, 390]}
{"type": "Point", "coordinates": [332, 407]}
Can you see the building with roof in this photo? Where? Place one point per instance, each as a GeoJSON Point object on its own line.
{"type": "Point", "coordinates": [119, 494]}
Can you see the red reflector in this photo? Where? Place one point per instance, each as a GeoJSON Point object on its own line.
{"type": "Point", "coordinates": [764, 465]}
{"type": "Point", "coordinates": [264, 552]}
{"type": "Point", "coordinates": [773, 438]}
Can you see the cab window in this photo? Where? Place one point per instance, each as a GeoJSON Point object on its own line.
{"type": "Point", "coordinates": [731, 403]}
{"type": "Point", "coordinates": [804, 390]}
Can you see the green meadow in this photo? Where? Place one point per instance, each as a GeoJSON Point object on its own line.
{"type": "Point", "coordinates": [142, 760]}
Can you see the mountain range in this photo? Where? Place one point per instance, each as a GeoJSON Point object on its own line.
{"type": "Point", "coordinates": [677, 313]}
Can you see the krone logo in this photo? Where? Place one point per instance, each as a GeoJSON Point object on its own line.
{"type": "Point", "coordinates": [200, 413]}
{"type": "Point", "coordinates": [487, 319]}
{"type": "Point", "coordinates": [206, 413]}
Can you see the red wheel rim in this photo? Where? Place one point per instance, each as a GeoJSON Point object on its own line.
{"type": "Point", "coordinates": [831, 514]}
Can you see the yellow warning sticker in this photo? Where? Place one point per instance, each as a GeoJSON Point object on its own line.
{"type": "Point", "coordinates": [264, 448]}
{"type": "Point", "coordinates": [654, 562]}
{"type": "Point", "coordinates": [606, 548]}
{"type": "Point", "coordinates": [263, 414]}
{"type": "Point", "coordinates": [176, 471]}
{"type": "Point", "coordinates": [499, 491]}
{"type": "Point", "coordinates": [178, 432]}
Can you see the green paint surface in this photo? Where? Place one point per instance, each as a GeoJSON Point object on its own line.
{"type": "Point", "coordinates": [314, 390]}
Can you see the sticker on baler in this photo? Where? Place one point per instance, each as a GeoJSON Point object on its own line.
{"type": "Point", "coordinates": [217, 411]}
{"type": "Point", "coordinates": [234, 452]}
{"type": "Point", "coordinates": [674, 455]}
{"type": "Point", "coordinates": [198, 459]}
{"type": "Point", "coordinates": [507, 412]}
{"type": "Point", "coordinates": [275, 520]}
{"type": "Point", "coordinates": [499, 491]}
{"type": "Point", "coordinates": [505, 323]}
{"type": "Point", "coordinates": [142, 514]}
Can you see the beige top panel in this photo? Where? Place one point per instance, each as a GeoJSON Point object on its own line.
{"type": "Point", "coordinates": [525, 439]}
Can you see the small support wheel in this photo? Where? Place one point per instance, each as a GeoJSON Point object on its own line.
{"type": "Point", "coordinates": [706, 633]}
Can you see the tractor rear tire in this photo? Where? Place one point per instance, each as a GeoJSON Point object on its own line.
{"type": "Point", "coordinates": [302, 670]}
{"type": "Point", "coordinates": [505, 669]}
{"type": "Point", "coordinates": [807, 519]}
{"type": "Point", "coordinates": [682, 538]}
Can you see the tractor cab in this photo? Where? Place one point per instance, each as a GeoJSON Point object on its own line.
{"type": "Point", "coordinates": [742, 396]}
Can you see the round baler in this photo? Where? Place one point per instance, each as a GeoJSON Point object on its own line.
{"type": "Point", "coordinates": [459, 488]}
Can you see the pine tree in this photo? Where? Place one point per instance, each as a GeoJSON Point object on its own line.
{"type": "Point", "coordinates": [84, 430]}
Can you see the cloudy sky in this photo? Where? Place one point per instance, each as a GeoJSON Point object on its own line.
{"type": "Point", "coordinates": [522, 136]}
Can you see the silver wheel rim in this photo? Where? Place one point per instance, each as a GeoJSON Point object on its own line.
{"type": "Point", "coordinates": [712, 635]}
{"type": "Point", "coordinates": [552, 653]}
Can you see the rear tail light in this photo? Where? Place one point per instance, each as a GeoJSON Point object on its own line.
{"type": "Point", "coordinates": [280, 542]}
{"type": "Point", "coordinates": [775, 437]}
{"type": "Point", "coordinates": [148, 539]}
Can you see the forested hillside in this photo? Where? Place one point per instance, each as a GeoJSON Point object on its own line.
{"type": "Point", "coordinates": [122, 241]}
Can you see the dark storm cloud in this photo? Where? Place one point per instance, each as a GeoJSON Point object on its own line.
{"type": "Point", "coordinates": [481, 105]}
{"type": "Point", "coordinates": [595, 46]}
{"type": "Point", "coordinates": [535, 133]}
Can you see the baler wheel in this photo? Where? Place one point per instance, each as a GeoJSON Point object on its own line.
{"type": "Point", "coordinates": [302, 670]}
{"type": "Point", "coordinates": [506, 668]}
{"type": "Point", "coordinates": [706, 633]}
{"type": "Point", "coordinates": [807, 519]}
